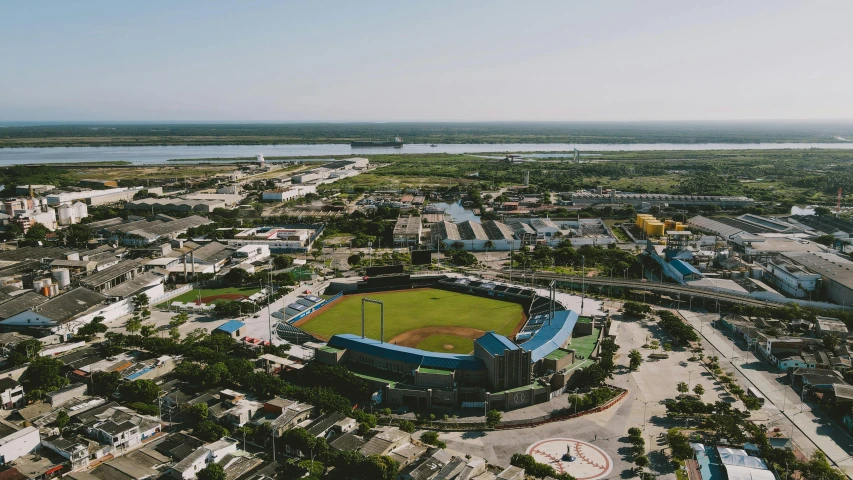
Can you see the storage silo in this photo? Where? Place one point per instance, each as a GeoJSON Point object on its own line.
{"type": "Point", "coordinates": [72, 256]}
{"type": "Point", "coordinates": [81, 211]}
{"type": "Point", "coordinates": [62, 277]}
{"type": "Point", "coordinates": [37, 284]}
{"type": "Point", "coordinates": [64, 214]}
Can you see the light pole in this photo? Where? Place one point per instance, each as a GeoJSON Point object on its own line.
{"type": "Point", "coordinates": [645, 404]}
{"type": "Point", "coordinates": [689, 377]}
{"type": "Point", "coordinates": [583, 281]}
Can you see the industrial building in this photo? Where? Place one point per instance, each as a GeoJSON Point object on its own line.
{"type": "Point", "coordinates": [95, 197]}
{"type": "Point", "coordinates": [407, 230]}
{"type": "Point", "coordinates": [638, 199]}
{"type": "Point", "coordinates": [794, 280]}
{"type": "Point", "coordinates": [296, 238]}
{"type": "Point", "coordinates": [837, 273]}
{"type": "Point", "coordinates": [288, 193]}
{"type": "Point", "coordinates": [177, 205]}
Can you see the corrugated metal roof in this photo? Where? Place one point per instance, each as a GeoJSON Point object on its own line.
{"type": "Point", "coordinates": [231, 326]}
{"type": "Point", "coordinates": [552, 335]}
{"type": "Point", "coordinates": [405, 354]}
{"type": "Point", "coordinates": [684, 268]}
{"type": "Point", "coordinates": [495, 344]}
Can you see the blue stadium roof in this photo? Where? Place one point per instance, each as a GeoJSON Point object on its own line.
{"type": "Point", "coordinates": [495, 344]}
{"type": "Point", "coordinates": [414, 356]}
{"type": "Point", "coordinates": [552, 335]}
{"type": "Point", "coordinates": [231, 326]}
{"type": "Point", "coordinates": [684, 268]}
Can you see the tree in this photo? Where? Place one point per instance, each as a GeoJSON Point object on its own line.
{"type": "Point", "coordinates": [282, 261]}
{"type": "Point", "coordinates": [24, 351]}
{"type": "Point", "coordinates": [144, 391]}
{"type": "Point", "coordinates": [147, 330]}
{"type": "Point", "coordinates": [105, 384]}
{"type": "Point", "coordinates": [592, 376]}
{"type": "Point", "coordinates": [215, 374]}
{"type": "Point", "coordinates": [37, 233]}
{"type": "Point", "coordinates": [636, 359]}
{"type": "Point", "coordinates": [635, 309]}
{"type": "Point", "coordinates": [641, 461]}
{"type": "Point", "coordinates": [174, 333]}
{"type": "Point", "coordinates": [831, 341]}
{"type": "Point", "coordinates": [43, 374]}
{"type": "Point", "coordinates": [237, 276]}
{"type": "Point", "coordinates": [699, 389]}
{"type": "Point", "coordinates": [493, 418]}
{"type": "Point", "coordinates": [209, 431]}
{"type": "Point", "coordinates": [198, 412]}
{"type": "Point", "coordinates": [431, 438]}
{"type": "Point", "coordinates": [140, 301]}
{"type": "Point", "coordinates": [88, 331]}
{"type": "Point", "coordinates": [407, 426]}
{"type": "Point", "coordinates": [682, 387]}
{"type": "Point", "coordinates": [62, 419]}
{"type": "Point", "coordinates": [213, 471]}
{"type": "Point", "coordinates": [133, 325]}
{"type": "Point", "coordinates": [178, 320]}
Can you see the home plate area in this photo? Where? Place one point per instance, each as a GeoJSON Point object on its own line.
{"type": "Point", "coordinates": [581, 460]}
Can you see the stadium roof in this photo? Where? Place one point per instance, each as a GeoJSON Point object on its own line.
{"type": "Point", "coordinates": [398, 353]}
{"type": "Point", "coordinates": [552, 335]}
{"type": "Point", "coordinates": [231, 326]}
{"type": "Point", "coordinates": [495, 344]}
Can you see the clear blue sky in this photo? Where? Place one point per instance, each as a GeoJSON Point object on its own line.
{"type": "Point", "coordinates": [432, 60]}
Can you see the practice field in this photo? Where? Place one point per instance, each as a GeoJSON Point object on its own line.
{"type": "Point", "coordinates": [212, 295]}
{"type": "Point", "coordinates": [429, 319]}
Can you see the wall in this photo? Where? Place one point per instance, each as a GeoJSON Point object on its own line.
{"type": "Point", "coordinates": [18, 444]}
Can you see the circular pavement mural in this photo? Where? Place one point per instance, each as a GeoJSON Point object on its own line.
{"type": "Point", "coordinates": [581, 460]}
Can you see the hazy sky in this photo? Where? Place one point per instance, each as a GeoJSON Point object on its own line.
{"type": "Point", "coordinates": [430, 60]}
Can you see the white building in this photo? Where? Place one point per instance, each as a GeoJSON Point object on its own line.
{"type": "Point", "coordinates": [278, 239]}
{"type": "Point", "coordinates": [95, 197]}
{"type": "Point", "coordinates": [198, 460]}
{"type": "Point", "coordinates": [11, 393]}
{"type": "Point", "coordinates": [18, 444]}
{"type": "Point", "coordinates": [251, 254]}
{"type": "Point", "coordinates": [797, 281]}
{"type": "Point", "coordinates": [288, 193]}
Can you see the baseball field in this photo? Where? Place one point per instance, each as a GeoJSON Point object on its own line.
{"type": "Point", "coordinates": [429, 319]}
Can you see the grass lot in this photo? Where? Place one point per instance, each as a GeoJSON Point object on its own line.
{"type": "Point", "coordinates": [409, 310]}
{"type": "Point", "coordinates": [209, 292]}
{"type": "Point", "coordinates": [585, 345]}
{"type": "Point", "coordinates": [440, 343]}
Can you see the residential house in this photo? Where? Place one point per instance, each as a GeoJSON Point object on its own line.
{"type": "Point", "coordinates": [117, 426]}
{"type": "Point", "coordinates": [214, 452]}
{"type": "Point", "coordinates": [11, 393]}
{"type": "Point", "coordinates": [825, 325]}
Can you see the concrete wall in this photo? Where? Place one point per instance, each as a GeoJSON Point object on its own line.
{"type": "Point", "coordinates": [18, 444]}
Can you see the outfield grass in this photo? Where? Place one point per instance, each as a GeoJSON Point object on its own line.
{"type": "Point", "coordinates": [209, 292]}
{"type": "Point", "coordinates": [440, 343]}
{"type": "Point", "coordinates": [408, 310]}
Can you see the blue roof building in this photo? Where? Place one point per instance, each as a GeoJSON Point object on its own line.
{"type": "Point", "coordinates": [686, 270]}
{"type": "Point", "coordinates": [495, 344]}
{"type": "Point", "coordinates": [231, 327]}
{"type": "Point", "coordinates": [552, 335]}
{"type": "Point", "coordinates": [413, 356]}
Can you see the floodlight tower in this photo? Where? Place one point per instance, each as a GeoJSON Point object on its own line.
{"type": "Point", "coordinates": [381, 318]}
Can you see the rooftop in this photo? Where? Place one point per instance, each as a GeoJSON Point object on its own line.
{"type": "Point", "coordinates": [66, 307]}
{"type": "Point", "coordinates": [231, 326]}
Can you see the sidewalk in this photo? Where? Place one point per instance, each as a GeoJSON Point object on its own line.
{"type": "Point", "coordinates": [812, 431]}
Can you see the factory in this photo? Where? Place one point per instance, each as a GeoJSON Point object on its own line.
{"type": "Point", "coordinates": [288, 193]}
{"type": "Point", "coordinates": [95, 197]}
{"type": "Point", "coordinates": [26, 212]}
{"type": "Point", "coordinates": [639, 199]}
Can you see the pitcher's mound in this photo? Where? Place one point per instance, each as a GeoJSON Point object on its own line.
{"type": "Point", "coordinates": [447, 346]}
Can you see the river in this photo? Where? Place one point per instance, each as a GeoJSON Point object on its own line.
{"type": "Point", "coordinates": [155, 155]}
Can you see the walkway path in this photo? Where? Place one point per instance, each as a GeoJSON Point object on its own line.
{"type": "Point", "coordinates": [783, 403]}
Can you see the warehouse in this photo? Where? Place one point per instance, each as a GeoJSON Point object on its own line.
{"type": "Point", "coordinates": [836, 272]}
{"type": "Point", "coordinates": [95, 197]}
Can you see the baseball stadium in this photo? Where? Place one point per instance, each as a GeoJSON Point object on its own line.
{"type": "Point", "coordinates": [437, 341]}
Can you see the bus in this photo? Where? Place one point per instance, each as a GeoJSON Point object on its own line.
{"type": "Point", "coordinates": [753, 392]}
